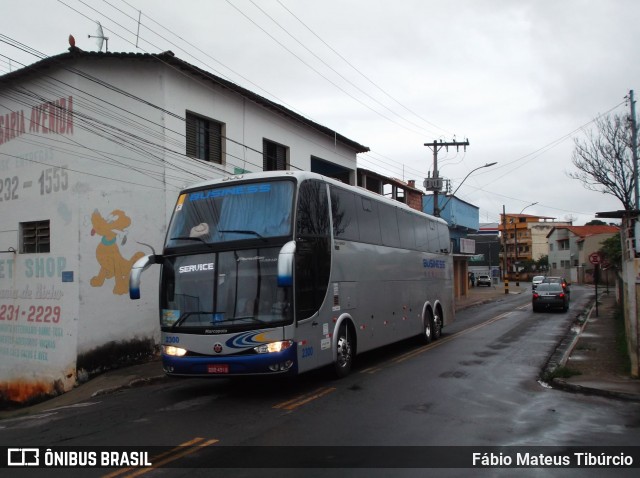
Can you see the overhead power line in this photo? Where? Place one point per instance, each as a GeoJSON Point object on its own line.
{"type": "Point", "coordinates": [359, 71]}
{"type": "Point", "coordinates": [287, 32]}
{"type": "Point", "coordinates": [311, 67]}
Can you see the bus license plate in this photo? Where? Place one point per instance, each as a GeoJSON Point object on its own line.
{"type": "Point", "coordinates": [218, 368]}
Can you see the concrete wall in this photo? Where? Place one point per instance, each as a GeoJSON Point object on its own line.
{"type": "Point", "coordinates": [630, 275]}
{"type": "Point", "coordinates": [66, 310]}
{"type": "Point", "coordinates": [631, 294]}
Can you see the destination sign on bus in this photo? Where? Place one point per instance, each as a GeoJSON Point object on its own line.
{"type": "Point", "coordinates": [434, 264]}
{"type": "Point", "coordinates": [234, 191]}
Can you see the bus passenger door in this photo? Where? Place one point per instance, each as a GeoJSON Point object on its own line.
{"type": "Point", "coordinates": [312, 268]}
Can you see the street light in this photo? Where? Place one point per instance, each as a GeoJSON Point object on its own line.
{"type": "Point", "coordinates": [515, 244]}
{"type": "Point", "coordinates": [532, 204]}
{"type": "Point", "coordinates": [437, 212]}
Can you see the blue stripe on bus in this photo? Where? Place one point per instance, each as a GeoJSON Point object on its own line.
{"type": "Point", "coordinates": [285, 281]}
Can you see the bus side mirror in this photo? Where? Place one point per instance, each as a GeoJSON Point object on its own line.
{"type": "Point", "coordinates": [136, 273]}
{"type": "Point", "coordinates": [285, 264]}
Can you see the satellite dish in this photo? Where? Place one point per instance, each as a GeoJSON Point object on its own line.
{"type": "Point", "coordinates": [100, 38]}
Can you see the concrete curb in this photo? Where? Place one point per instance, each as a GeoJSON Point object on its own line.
{"type": "Point", "coordinates": [560, 384]}
{"type": "Point", "coordinates": [562, 351]}
{"type": "Point", "coordinates": [136, 382]}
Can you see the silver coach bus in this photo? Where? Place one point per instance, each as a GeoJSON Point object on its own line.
{"type": "Point", "coordinates": [285, 272]}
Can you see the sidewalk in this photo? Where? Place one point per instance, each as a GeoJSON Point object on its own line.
{"type": "Point", "coordinates": [591, 350]}
{"type": "Point", "coordinates": [588, 348]}
{"type": "Point", "coordinates": [109, 382]}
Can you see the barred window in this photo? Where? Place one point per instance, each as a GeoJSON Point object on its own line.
{"type": "Point", "coordinates": [35, 237]}
{"type": "Point", "coordinates": [204, 138]}
{"type": "Point", "coordinates": [274, 156]}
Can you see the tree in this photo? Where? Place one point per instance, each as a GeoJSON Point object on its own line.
{"type": "Point", "coordinates": [526, 265]}
{"type": "Point", "coordinates": [611, 248]}
{"type": "Point", "coordinates": [542, 264]}
{"type": "Point", "coordinates": [596, 222]}
{"type": "Point", "coordinates": [605, 160]}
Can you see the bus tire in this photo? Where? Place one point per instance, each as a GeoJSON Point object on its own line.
{"type": "Point", "coordinates": [428, 328]}
{"type": "Point", "coordinates": [344, 352]}
{"type": "Point", "coordinates": [437, 327]}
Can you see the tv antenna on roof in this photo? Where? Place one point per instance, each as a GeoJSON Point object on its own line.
{"type": "Point", "coordinates": [100, 38]}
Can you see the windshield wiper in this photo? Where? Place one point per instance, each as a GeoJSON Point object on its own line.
{"type": "Point", "coordinates": [244, 231]}
{"type": "Point", "coordinates": [188, 238]}
{"type": "Point", "coordinates": [237, 319]}
{"type": "Point", "coordinates": [186, 315]}
{"type": "Point", "coordinates": [252, 318]}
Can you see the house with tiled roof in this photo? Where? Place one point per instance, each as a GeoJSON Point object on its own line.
{"type": "Point", "coordinates": [570, 247]}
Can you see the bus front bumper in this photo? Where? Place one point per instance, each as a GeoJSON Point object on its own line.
{"type": "Point", "coordinates": [232, 365]}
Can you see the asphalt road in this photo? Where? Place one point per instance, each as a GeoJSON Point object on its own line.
{"type": "Point", "coordinates": [475, 387]}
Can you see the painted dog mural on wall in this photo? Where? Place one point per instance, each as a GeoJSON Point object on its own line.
{"type": "Point", "coordinates": [112, 264]}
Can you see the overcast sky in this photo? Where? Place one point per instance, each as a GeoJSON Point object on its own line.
{"type": "Point", "coordinates": [520, 79]}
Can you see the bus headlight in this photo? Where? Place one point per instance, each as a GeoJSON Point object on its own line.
{"type": "Point", "coordinates": [273, 347]}
{"type": "Point", "coordinates": [174, 351]}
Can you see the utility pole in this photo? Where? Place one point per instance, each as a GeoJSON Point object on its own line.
{"type": "Point", "coordinates": [634, 147]}
{"type": "Point", "coordinates": [434, 183]}
{"type": "Point", "coordinates": [504, 251]}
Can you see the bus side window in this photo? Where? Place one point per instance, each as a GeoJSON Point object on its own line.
{"type": "Point", "coordinates": [312, 218]}
{"type": "Point", "coordinates": [369, 221]}
{"type": "Point", "coordinates": [443, 238]}
{"type": "Point", "coordinates": [405, 224]}
{"type": "Point", "coordinates": [389, 225]}
{"type": "Point", "coordinates": [345, 218]}
{"type": "Point", "coordinates": [422, 235]}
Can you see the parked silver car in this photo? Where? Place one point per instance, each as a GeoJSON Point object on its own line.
{"type": "Point", "coordinates": [483, 279]}
{"type": "Point", "coordinates": [536, 281]}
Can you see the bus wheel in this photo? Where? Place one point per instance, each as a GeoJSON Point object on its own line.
{"type": "Point", "coordinates": [437, 327]}
{"type": "Point", "coordinates": [429, 328]}
{"type": "Point", "coordinates": [344, 352]}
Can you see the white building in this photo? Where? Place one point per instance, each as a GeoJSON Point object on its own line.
{"type": "Point", "coordinates": [93, 150]}
{"type": "Point", "coordinates": [538, 232]}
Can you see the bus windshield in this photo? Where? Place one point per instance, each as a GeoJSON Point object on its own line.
{"type": "Point", "coordinates": [227, 290]}
{"type": "Point", "coordinates": [230, 213]}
